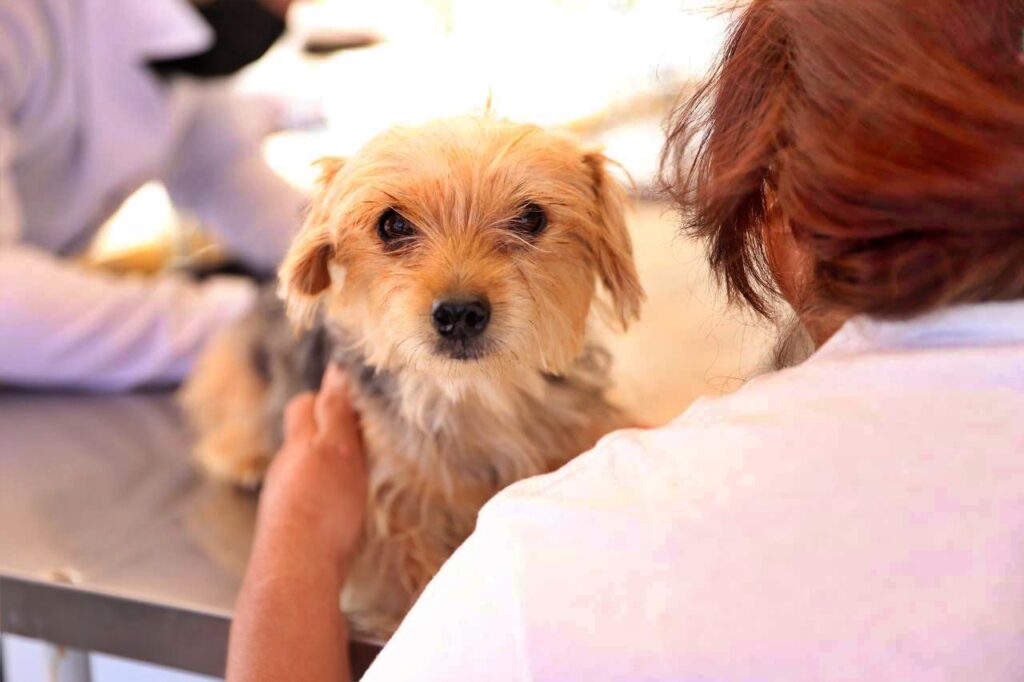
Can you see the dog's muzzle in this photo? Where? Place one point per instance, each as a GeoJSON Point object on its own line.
{"type": "Point", "coordinates": [459, 324]}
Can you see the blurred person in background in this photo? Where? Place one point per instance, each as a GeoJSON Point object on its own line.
{"type": "Point", "coordinates": [859, 516]}
{"type": "Point", "coordinates": [98, 97]}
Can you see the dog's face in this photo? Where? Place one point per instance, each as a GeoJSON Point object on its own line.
{"type": "Point", "coordinates": [467, 246]}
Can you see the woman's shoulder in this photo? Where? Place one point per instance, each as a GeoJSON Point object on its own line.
{"type": "Point", "coordinates": [854, 405]}
{"type": "Point", "coordinates": [631, 466]}
{"type": "Point", "coordinates": [788, 499]}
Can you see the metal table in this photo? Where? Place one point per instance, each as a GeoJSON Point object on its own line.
{"type": "Point", "coordinates": [110, 541]}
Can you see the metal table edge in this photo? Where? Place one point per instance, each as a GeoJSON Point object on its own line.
{"type": "Point", "coordinates": [177, 637]}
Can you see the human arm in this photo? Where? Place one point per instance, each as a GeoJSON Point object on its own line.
{"type": "Point", "coordinates": [64, 325]}
{"type": "Point", "coordinates": [288, 624]}
{"type": "Point", "coordinates": [218, 174]}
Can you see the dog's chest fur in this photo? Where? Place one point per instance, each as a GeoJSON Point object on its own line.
{"type": "Point", "coordinates": [437, 453]}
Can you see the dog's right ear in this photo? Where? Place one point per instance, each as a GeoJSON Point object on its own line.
{"type": "Point", "coordinates": [305, 271]}
{"type": "Point", "coordinates": [613, 248]}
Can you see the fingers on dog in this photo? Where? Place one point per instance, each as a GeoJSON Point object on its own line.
{"type": "Point", "coordinates": [335, 379]}
{"type": "Point", "coordinates": [299, 420]}
{"type": "Point", "coordinates": [338, 428]}
{"type": "Point", "coordinates": [333, 405]}
{"type": "Point", "coordinates": [337, 421]}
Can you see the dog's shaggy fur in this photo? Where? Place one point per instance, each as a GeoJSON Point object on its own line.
{"type": "Point", "coordinates": [446, 424]}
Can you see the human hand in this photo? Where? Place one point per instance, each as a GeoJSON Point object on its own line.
{"type": "Point", "coordinates": [287, 623]}
{"type": "Point", "coordinates": [314, 498]}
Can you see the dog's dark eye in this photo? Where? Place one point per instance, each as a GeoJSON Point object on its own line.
{"type": "Point", "coordinates": [532, 219]}
{"type": "Point", "coordinates": [392, 227]}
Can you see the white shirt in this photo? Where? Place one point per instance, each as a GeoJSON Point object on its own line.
{"type": "Point", "coordinates": [858, 517]}
{"type": "Point", "coordinates": [83, 123]}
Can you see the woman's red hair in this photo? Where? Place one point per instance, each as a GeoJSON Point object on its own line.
{"type": "Point", "coordinates": [889, 134]}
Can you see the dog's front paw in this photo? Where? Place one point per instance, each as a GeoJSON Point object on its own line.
{"type": "Point", "coordinates": [226, 459]}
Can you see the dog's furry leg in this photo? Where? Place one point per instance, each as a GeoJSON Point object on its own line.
{"type": "Point", "coordinates": [226, 400]}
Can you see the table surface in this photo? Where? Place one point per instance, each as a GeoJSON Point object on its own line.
{"type": "Point", "coordinates": [109, 538]}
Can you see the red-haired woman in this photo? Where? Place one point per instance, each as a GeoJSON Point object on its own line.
{"type": "Point", "coordinates": [857, 517]}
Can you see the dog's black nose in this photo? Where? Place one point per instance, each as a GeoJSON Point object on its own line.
{"type": "Point", "coordinates": [461, 319]}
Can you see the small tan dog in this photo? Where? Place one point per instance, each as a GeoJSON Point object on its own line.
{"type": "Point", "coordinates": [451, 269]}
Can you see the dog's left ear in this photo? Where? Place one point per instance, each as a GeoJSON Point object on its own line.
{"type": "Point", "coordinates": [613, 248]}
{"type": "Point", "coordinates": [305, 271]}
{"type": "Point", "coordinates": [329, 167]}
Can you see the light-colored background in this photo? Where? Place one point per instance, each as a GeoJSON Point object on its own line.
{"type": "Point", "coordinates": [688, 342]}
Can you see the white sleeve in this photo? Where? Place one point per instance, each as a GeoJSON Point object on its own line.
{"type": "Point", "coordinates": [218, 173]}
{"type": "Point", "coordinates": [466, 625]}
{"type": "Point", "coordinates": [61, 325]}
